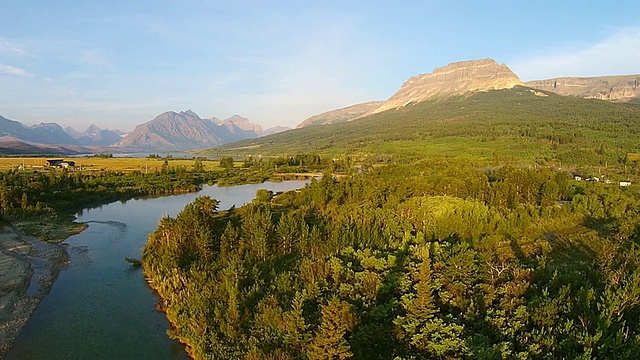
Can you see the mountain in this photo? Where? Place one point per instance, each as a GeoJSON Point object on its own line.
{"type": "Point", "coordinates": [341, 115]}
{"type": "Point", "coordinates": [94, 136]}
{"type": "Point", "coordinates": [275, 130]}
{"type": "Point", "coordinates": [610, 88]}
{"type": "Point", "coordinates": [236, 127]}
{"type": "Point", "coordinates": [169, 131]}
{"type": "Point", "coordinates": [43, 133]}
{"type": "Point", "coordinates": [185, 130]}
{"type": "Point", "coordinates": [238, 122]}
{"type": "Point", "coordinates": [467, 77]}
{"type": "Point", "coordinates": [12, 146]}
{"type": "Point", "coordinates": [456, 78]}
{"type": "Point", "coordinates": [72, 132]}
{"type": "Point", "coordinates": [521, 124]}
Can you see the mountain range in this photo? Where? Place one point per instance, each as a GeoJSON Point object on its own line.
{"type": "Point", "coordinates": [176, 131]}
{"type": "Point", "coordinates": [475, 110]}
{"type": "Point", "coordinates": [94, 136]}
{"type": "Point", "coordinates": [169, 131]}
{"type": "Point", "coordinates": [468, 77]}
{"type": "Point", "coordinates": [186, 130]}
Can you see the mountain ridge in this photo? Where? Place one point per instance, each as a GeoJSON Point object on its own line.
{"type": "Point", "coordinates": [456, 78]}
{"type": "Point", "coordinates": [341, 115]}
{"type": "Point", "coordinates": [518, 123]}
{"type": "Point", "coordinates": [173, 131]}
{"type": "Point", "coordinates": [186, 131]}
{"type": "Point", "coordinates": [95, 136]}
{"type": "Point", "coordinates": [471, 76]}
{"type": "Point", "coordinates": [610, 88]}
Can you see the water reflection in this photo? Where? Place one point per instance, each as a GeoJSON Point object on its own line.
{"type": "Point", "coordinates": [100, 307]}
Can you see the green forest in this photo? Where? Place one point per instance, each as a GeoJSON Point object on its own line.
{"type": "Point", "coordinates": [518, 125]}
{"type": "Point", "coordinates": [461, 228]}
{"type": "Point", "coordinates": [434, 259]}
{"type": "Point", "coordinates": [43, 203]}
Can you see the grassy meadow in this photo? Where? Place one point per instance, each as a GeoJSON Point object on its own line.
{"type": "Point", "coordinates": [100, 164]}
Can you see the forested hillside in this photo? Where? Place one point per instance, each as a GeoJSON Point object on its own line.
{"type": "Point", "coordinates": [434, 260]}
{"type": "Point", "coordinates": [520, 124]}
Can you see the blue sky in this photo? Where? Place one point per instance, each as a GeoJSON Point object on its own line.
{"type": "Point", "coordinates": [120, 63]}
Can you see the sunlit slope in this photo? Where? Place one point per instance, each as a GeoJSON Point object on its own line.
{"type": "Point", "coordinates": [519, 123]}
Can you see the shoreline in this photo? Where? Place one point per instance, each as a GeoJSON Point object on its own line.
{"type": "Point", "coordinates": [161, 306]}
{"type": "Point", "coordinates": [28, 269]}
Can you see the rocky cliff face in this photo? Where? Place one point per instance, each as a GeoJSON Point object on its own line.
{"type": "Point", "coordinates": [454, 79]}
{"type": "Point", "coordinates": [341, 115]}
{"type": "Point", "coordinates": [610, 88]}
{"type": "Point", "coordinates": [186, 130]}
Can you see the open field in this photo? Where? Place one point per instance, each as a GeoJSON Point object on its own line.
{"type": "Point", "coordinates": [112, 164]}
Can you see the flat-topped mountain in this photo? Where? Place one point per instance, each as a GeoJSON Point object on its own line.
{"type": "Point", "coordinates": [610, 88]}
{"type": "Point", "coordinates": [341, 115]}
{"type": "Point", "coordinates": [186, 130]}
{"type": "Point", "coordinates": [466, 77]}
{"type": "Point", "coordinates": [454, 79]}
{"type": "Point", "coordinates": [518, 123]}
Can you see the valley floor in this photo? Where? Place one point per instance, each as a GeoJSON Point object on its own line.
{"type": "Point", "coordinates": [28, 269]}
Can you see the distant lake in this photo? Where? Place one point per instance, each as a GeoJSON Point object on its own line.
{"type": "Point", "coordinates": [100, 307]}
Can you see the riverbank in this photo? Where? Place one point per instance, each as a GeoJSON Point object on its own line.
{"type": "Point", "coordinates": [28, 269]}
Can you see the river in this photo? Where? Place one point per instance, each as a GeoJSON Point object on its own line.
{"type": "Point", "coordinates": [100, 307]}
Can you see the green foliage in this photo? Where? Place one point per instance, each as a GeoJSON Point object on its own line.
{"type": "Point", "coordinates": [492, 127]}
{"type": "Point", "coordinates": [263, 196]}
{"type": "Point", "coordinates": [226, 162]}
{"type": "Point", "coordinates": [103, 155]}
{"type": "Point", "coordinates": [429, 260]}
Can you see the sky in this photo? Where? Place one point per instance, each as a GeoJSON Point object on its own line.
{"type": "Point", "coordinates": [119, 63]}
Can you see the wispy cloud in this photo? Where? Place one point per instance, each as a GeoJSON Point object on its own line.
{"type": "Point", "coordinates": [10, 47]}
{"type": "Point", "coordinates": [12, 50]}
{"type": "Point", "coordinates": [12, 70]}
{"type": "Point", "coordinates": [617, 54]}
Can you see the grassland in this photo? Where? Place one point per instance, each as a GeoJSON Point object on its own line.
{"type": "Point", "coordinates": [112, 164]}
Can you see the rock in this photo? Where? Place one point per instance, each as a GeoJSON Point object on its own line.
{"type": "Point", "coordinates": [454, 79]}
{"type": "Point", "coordinates": [610, 88]}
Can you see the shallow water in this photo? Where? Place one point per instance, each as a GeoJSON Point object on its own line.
{"type": "Point", "coordinates": [100, 307]}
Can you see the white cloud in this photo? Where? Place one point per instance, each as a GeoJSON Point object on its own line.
{"type": "Point", "coordinates": [9, 47]}
{"type": "Point", "coordinates": [12, 70]}
{"type": "Point", "coordinates": [615, 55]}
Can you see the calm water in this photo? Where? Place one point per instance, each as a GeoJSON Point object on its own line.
{"type": "Point", "coordinates": [100, 307]}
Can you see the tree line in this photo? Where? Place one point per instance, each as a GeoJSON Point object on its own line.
{"type": "Point", "coordinates": [430, 260]}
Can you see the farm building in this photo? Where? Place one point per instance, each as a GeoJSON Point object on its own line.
{"type": "Point", "coordinates": [61, 163]}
